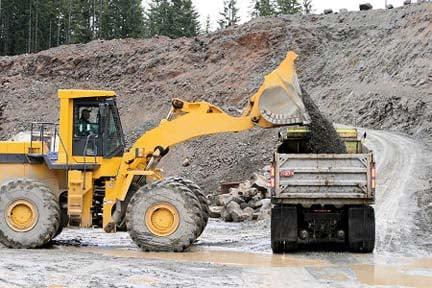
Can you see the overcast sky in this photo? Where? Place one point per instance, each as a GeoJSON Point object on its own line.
{"type": "Point", "coordinates": [213, 7]}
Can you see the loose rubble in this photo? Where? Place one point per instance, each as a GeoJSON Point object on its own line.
{"type": "Point", "coordinates": [358, 67]}
{"type": "Point", "coordinates": [250, 200]}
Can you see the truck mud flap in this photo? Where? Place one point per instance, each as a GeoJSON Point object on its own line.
{"type": "Point", "coordinates": [361, 229]}
{"type": "Point", "coordinates": [284, 228]}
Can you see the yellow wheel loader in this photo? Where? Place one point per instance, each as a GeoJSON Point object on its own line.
{"type": "Point", "coordinates": [78, 172]}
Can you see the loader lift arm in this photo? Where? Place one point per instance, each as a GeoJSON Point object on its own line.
{"type": "Point", "coordinates": [103, 185]}
{"type": "Point", "coordinates": [277, 102]}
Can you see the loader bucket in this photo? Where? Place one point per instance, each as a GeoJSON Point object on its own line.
{"type": "Point", "coordinates": [279, 97]}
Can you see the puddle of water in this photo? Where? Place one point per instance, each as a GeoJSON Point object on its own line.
{"type": "Point", "coordinates": [215, 257]}
{"type": "Point", "coordinates": [333, 274]}
{"type": "Point", "coordinates": [421, 263]}
{"type": "Point", "coordinates": [400, 272]}
{"type": "Point", "coordinates": [390, 275]}
{"type": "Point", "coordinates": [137, 280]}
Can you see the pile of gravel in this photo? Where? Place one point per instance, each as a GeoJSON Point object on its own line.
{"type": "Point", "coordinates": [323, 137]}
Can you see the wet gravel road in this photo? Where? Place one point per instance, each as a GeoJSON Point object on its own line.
{"type": "Point", "coordinates": [239, 255]}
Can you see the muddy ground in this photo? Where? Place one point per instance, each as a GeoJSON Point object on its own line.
{"type": "Point", "coordinates": [239, 254]}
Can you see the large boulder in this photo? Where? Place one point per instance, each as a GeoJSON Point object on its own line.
{"type": "Point", "coordinates": [234, 210]}
{"type": "Point", "coordinates": [215, 211]}
{"type": "Point", "coordinates": [248, 213]}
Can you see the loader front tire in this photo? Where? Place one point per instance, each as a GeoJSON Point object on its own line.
{"type": "Point", "coordinates": [200, 196]}
{"type": "Point", "coordinates": [164, 217]}
{"type": "Point", "coordinates": [29, 214]}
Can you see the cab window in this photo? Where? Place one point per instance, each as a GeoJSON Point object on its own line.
{"type": "Point", "coordinates": [86, 120]}
{"type": "Point", "coordinates": [86, 129]}
{"type": "Point", "coordinates": [113, 134]}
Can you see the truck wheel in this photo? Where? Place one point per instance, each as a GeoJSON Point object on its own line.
{"type": "Point", "coordinates": [202, 199]}
{"type": "Point", "coordinates": [361, 229]}
{"type": "Point", "coordinates": [284, 228]}
{"type": "Point", "coordinates": [277, 247]}
{"type": "Point", "coordinates": [164, 217]}
{"type": "Point", "coordinates": [29, 214]}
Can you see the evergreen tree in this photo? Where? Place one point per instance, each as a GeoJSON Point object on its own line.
{"type": "Point", "coordinates": [33, 25]}
{"type": "Point", "coordinates": [128, 19]}
{"type": "Point", "coordinates": [175, 18]}
{"type": "Point", "coordinates": [207, 25]}
{"type": "Point", "coordinates": [229, 15]}
{"type": "Point", "coordinates": [159, 18]}
{"type": "Point", "coordinates": [288, 6]}
{"type": "Point", "coordinates": [80, 30]}
{"type": "Point", "coordinates": [307, 6]}
{"type": "Point", "coordinates": [185, 19]}
{"type": "Point", "coordinates": [263, 8]}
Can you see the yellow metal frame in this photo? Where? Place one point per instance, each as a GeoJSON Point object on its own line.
{"type": "Point", "coordinates": [22, 215]}
{"type": "Point", "coordinates": [162, 219]}
{"type": "Point", "coordinates": [186, 120]}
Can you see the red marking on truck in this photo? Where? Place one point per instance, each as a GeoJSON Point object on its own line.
{"type": "Point", "coordinates": [286, 173]}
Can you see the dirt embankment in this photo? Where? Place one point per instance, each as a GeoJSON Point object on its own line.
{"type": "Point", "coordinates": [370, 68]}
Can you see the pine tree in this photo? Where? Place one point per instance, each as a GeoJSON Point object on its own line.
{"type": "Point", "coordinates": [229, 15]}
{"type": "Point", "coordinates": [207, 25]}
{"type": "Point", "coordinates": [185, 19]}
{"type": "Point", "coordinates": [288, 6]}
{"type": "Point", "coordinates": [176, 18]}
{"type": "Point", "coordinates": [263, 8]}
{"type": "Point", "coordinates": [129, 19]}
{"type": "Point", "coordinates": [80, 27]}
{"type": "Point", "coordinates": [33, 25]}
{"type": "Point", "coordinates": [307, 6]}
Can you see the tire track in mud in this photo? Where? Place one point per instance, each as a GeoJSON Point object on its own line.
{"type": "Point", "coordinates": [400, 174]}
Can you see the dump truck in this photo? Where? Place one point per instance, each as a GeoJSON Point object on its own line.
{"type": "Point", "coordinates": [78, 172]}
{"type": "Point", "coordinates": [322, 199]}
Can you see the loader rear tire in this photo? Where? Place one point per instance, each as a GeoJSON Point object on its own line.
{"type": "Point", "coordinates": [164, 217]}
{"type": "Point", "coordinates": [29, 214]}
{"type": "Point", "coordinates": [202, 199]}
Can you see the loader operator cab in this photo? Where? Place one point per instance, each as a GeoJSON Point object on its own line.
{"type": "Point", "coordinates": [97, 128]}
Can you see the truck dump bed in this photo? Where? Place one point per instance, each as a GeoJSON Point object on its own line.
{"type": "Point", "coordinates": [336, 179]}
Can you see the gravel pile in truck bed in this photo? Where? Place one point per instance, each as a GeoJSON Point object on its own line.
{"type": "Point", "coordinates": [323, 137]}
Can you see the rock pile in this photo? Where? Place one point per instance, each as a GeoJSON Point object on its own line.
{"type": "Point", "coordinates": [250, 200]}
